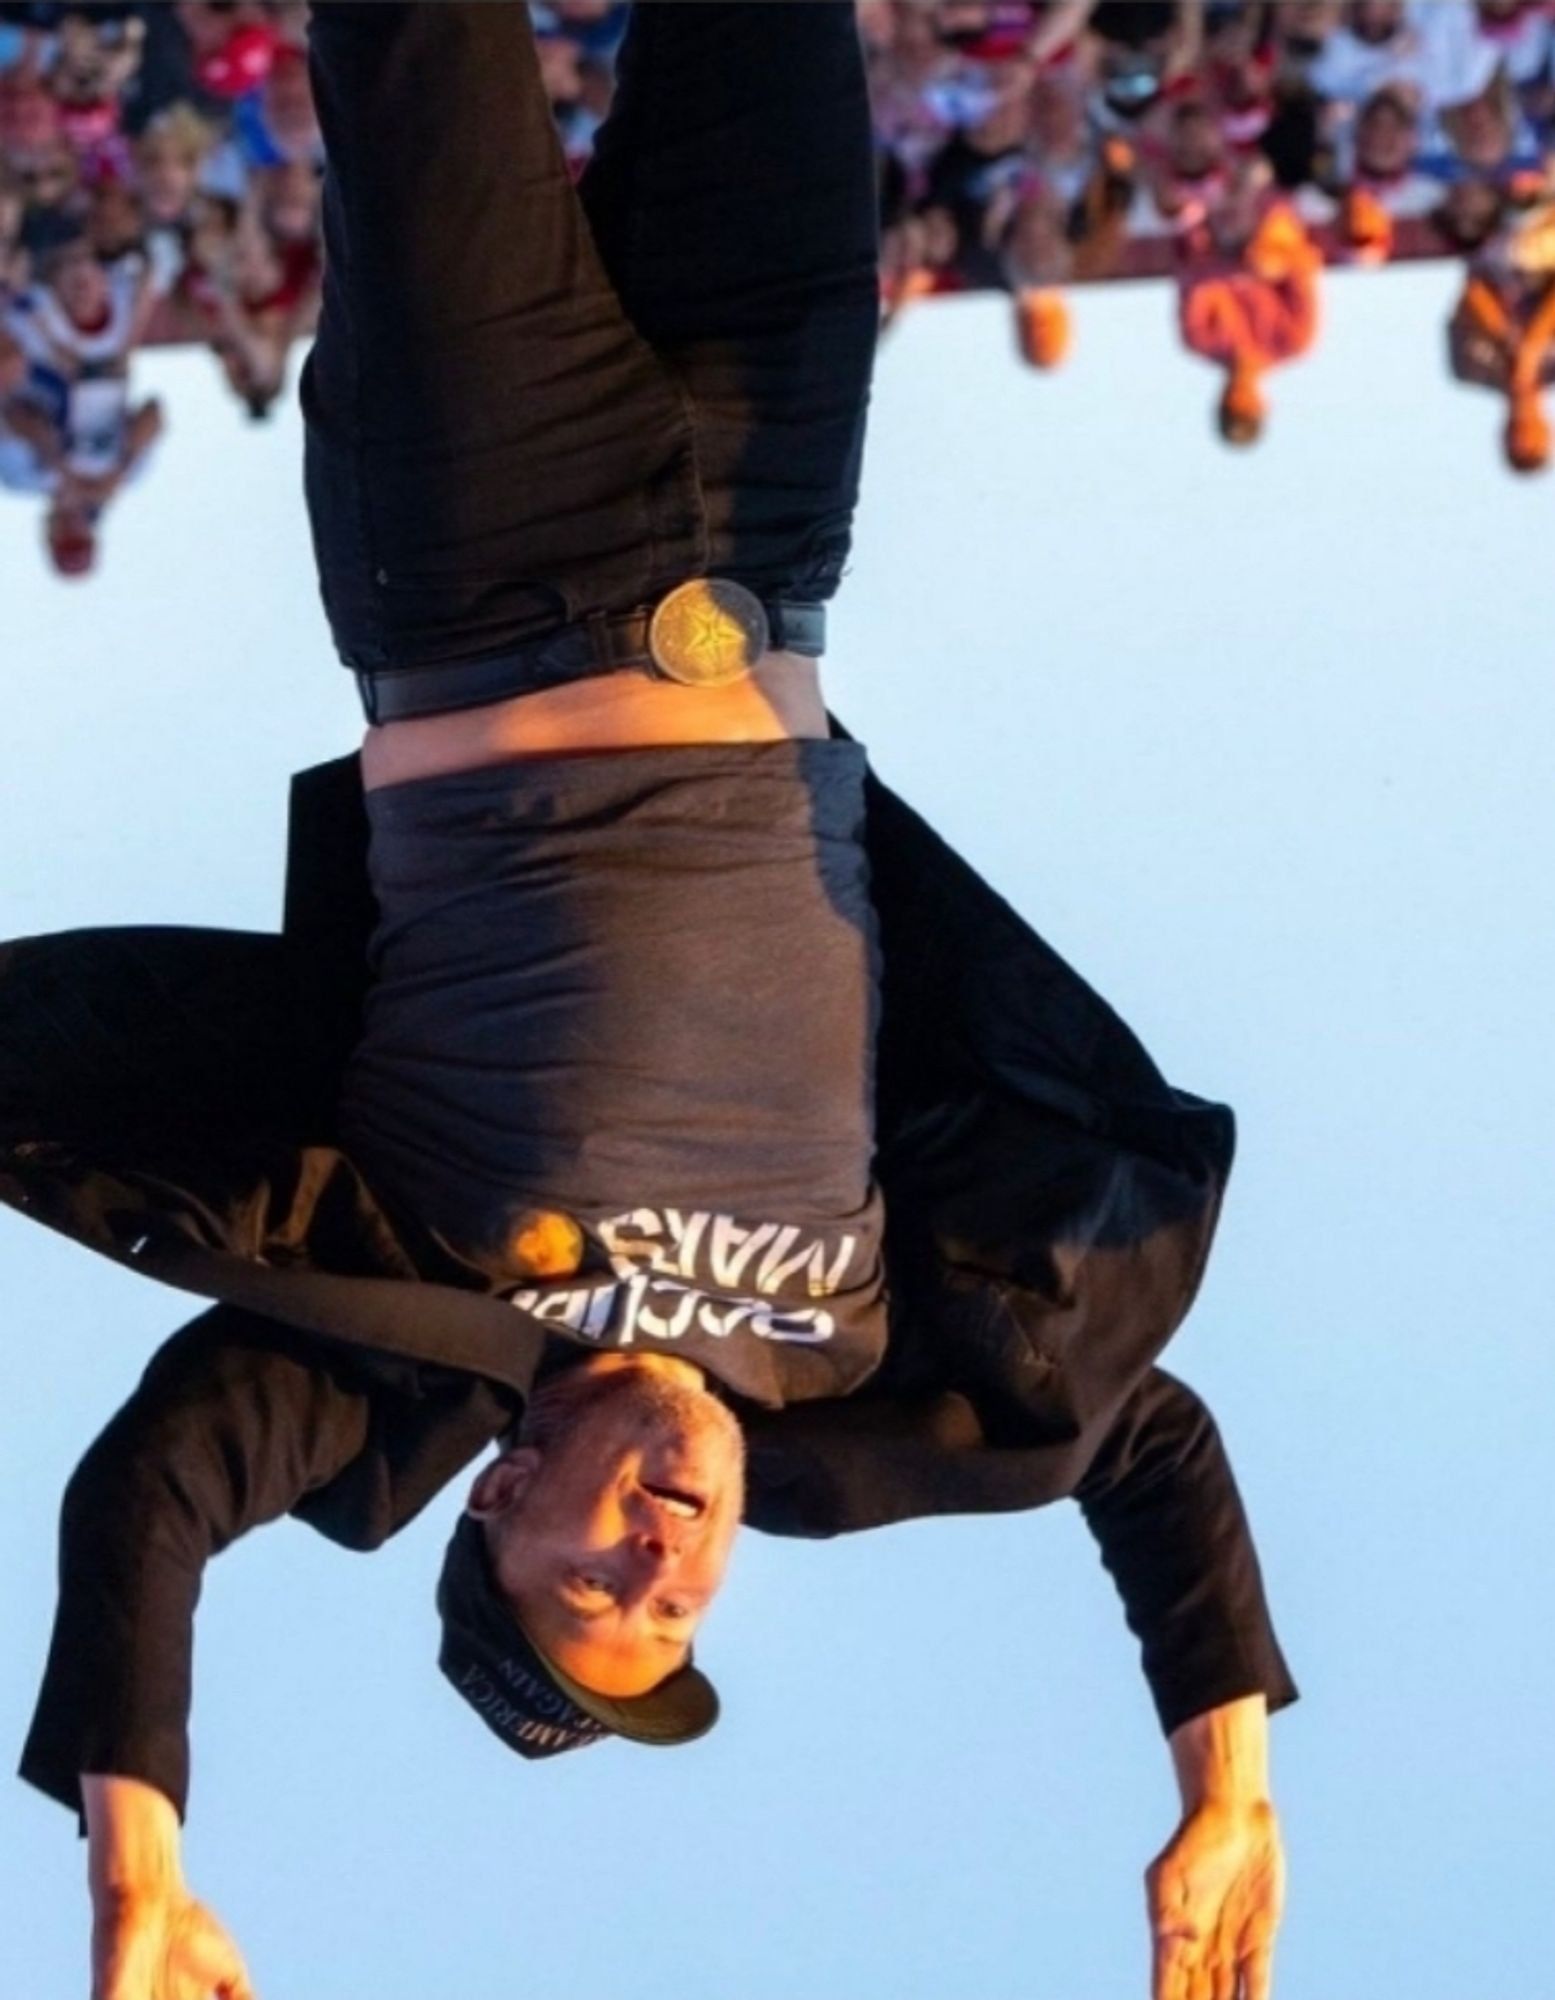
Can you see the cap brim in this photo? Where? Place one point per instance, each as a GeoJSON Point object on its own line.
{"type": "Point", "coordinates": [678, 1710]}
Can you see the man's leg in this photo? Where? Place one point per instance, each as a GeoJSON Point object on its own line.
{"type": "Point", "coordinates": [732, 195]}
{"type": "Point", "coordinates": [490, 439]}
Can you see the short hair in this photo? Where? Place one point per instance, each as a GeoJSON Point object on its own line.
{"type": "Point", "coordinates": [568, 1395]}
{"type": "Point", "coordinates": [562, 1400]}
{"type": "Point", "coordinates": [180, 129]}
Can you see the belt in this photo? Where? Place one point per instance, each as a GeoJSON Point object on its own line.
{"type": "Point", "coordinates": [704, 633]}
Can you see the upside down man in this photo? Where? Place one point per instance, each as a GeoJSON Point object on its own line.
{"type": "Point", "coordinates": [639, 1094]}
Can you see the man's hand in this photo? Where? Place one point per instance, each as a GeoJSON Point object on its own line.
{"type": "Point", "coordinates": [1216, 1892]}
{"type": "Point", "coordinates": [163, 1947]}
{"type": "Point", "coordinates": [1217, 1889]}
{"type": "Point", "coordinates": [150, 1939]}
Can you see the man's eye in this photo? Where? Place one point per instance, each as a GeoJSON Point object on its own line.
{"type": "Point", "coordinates": [671, 1610]}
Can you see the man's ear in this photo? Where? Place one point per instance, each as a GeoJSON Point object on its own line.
{"type": "Point", "coordinates": [506, 1480]}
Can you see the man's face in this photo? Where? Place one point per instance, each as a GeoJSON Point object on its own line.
{"type": "Point", "coordinates": [612, 1539]}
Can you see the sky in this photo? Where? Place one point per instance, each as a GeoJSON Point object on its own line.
{"type": "Point", "coordinates": [1261, 742]}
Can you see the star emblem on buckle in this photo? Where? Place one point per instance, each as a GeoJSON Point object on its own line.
{"type": "Point", "coordinates": [708, 632]}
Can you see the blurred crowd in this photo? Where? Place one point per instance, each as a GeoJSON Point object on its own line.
{"type": "Point", "coordinates": [159, 179]}
{"type": "Point", "coordinates": [160, 167]}
{"type": "Point", "coordinates": [1238, 146]}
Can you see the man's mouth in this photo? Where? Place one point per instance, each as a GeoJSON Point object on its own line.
{"type": "Point", "coordinates": [678, 1500]}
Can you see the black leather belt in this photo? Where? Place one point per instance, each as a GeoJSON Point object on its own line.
{"type": "Point", "coordinates": [704, 633]}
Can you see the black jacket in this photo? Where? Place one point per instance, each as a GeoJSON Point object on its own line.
{"type": "Point", "coordinates": [166, 1097]}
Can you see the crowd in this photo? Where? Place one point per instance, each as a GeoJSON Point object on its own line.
{"type": "Point", "coordinates": [1239, 146]}
{"type": "Point", "coordinates": [159, 179]}
{"type": "Point", "coordinates": [160, 161]}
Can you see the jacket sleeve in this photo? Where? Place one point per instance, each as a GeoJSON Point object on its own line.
{"type": "Point", "coordinates": [232, 1425]}
{"type": "Point", "coordinates": [1162, 1503]}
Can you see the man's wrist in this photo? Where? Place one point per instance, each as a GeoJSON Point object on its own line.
{"type": "Point", "coordinates": [1222, 1756]}
{"type": "Point", "coordinates": [134, 1839]}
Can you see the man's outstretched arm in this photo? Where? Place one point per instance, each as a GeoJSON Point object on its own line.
{"type": "Point", "coordinates": [224, 1432]}
{"type": "Point", "coordinates": [236, 1422]}
{"type": "Point", "coordinates": [229, 1428]}
{"type": "Point", "coordinates": [1162, 1503]}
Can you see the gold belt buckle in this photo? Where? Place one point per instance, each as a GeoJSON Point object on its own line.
{"type": "Point", "coordinates": [708, 632]}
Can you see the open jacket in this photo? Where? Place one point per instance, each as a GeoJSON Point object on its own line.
{"type": "Point", "coordinates": [167, 1099]}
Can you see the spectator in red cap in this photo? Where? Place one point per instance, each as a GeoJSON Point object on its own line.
{"type": "Point", "coordinates": [232, 46]}
{"type": "Point", "coordinates": [82, 486]}
{"type": "Point", "coordinates": [287, 113]}
{"type": "Point", "coordinates": [240, 63]}
{"type": "Point", "coordinates": [70, 536]}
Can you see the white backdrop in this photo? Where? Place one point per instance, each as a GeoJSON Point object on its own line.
{"type": "Point", "coordinates": [1262, 743]}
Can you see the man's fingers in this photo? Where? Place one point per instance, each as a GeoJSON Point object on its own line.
{"type": "Point", "coordinates": [234, 1985]}
{"type": "Point", "coordinates": [1258, 1973]}
{"type": "Point", "coordinates": [231, 1980]}
{"type": "Point", "coordinates": [218, 1965]}
{"type": "Point", "coordinates": [1176, 1955]}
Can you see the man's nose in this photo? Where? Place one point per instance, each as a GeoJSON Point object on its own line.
{"type": "Point", "coordinates": [659, 1542]}
{"type": "Point", "coordinates": [659, 1535]}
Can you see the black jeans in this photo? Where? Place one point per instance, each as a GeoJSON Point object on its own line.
{"type": "Point", "coordinates": [530, 401]}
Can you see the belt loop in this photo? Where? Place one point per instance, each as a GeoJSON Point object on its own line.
{"type": "Point", "coordinates": [598, 623]}
{"type": "Point", "coordinates": [367, 688]}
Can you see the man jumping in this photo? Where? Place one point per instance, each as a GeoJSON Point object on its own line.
{"type": "Point", "coordinates": [570, 1112]}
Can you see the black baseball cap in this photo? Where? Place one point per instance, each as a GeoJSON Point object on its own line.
{"type": "Point", "coordinates": [525, 1698]}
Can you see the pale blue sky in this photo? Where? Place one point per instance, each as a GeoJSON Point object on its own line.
{"type": "Point", "coordinates": [1262, 743]}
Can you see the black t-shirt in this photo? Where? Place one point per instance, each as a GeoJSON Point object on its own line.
{"type": "Point", "coordinates": [639, 990]}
